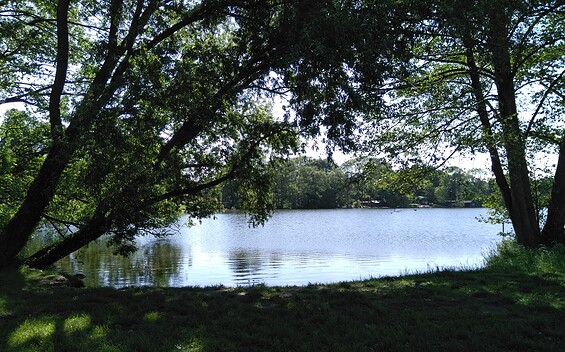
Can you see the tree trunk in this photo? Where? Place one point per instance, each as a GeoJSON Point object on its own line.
{"type": "Point", "coordinates": [17, 231]}
{"type": "Point", "coordinates": [97, 226]}
{"type": "Point", "coordinates": [523, 213]}
{"type": "Point", "coordinates": [553, 231]}
{"type": "Point", "coordinates": [488, 136]}
{"type": "Point", "coordinates": [522, 210]}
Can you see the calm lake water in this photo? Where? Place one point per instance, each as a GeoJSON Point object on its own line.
{"type": "Point", "coordinates": [295, 247]}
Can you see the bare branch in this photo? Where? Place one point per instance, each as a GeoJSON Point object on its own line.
{"type": "Point", "coordinates": [542, 101]}
{"type": "Point", "coordinates": [67, 223]}
{"type": "Point", "coordinates": [20, 98]}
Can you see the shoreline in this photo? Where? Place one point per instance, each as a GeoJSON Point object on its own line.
{"type": "Point", "coordinates": [502, 307]}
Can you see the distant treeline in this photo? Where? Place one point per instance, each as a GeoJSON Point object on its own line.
{"type": "Point", "coordinates": [306, 183]}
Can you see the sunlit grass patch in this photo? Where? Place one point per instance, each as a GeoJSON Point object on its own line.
{"type": "Point", "coordinates": [34, 334]}
{"type": "Point", "coordinates": [194, 345]}
{"type": "Point", "coordinates": [77, 323]}
{"type": "Point", "coordinates": [509, 255]}
{"type": "Point", "coordinates": [541, 299]}
{"type": "Point", "coordinates": [152, 316]}
{"type": "Point", "coordinates": [4, 310]}
{"type": "Point", "coordinates": [99, 332]}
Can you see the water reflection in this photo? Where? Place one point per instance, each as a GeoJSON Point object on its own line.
{"type": "Point", "coordinates": [247, 266]}
{"type": "Point", "coordinates": [294, 248]}
{"type": "Point", "coordinates": [158, 263]}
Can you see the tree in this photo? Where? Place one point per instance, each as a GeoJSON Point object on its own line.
{"type": "Point", "coordinates": [455, 186]}
{"type": "Point", "coordinates": [305, 183]}
{"type": "Point", "coordinates": [300, 183]}
{"type": "Point", "coordinates": [374, 179]}
{"type": "Point", "coordinates": [152, 104]}
{"type": "Point", "coordinates": [483, 76]}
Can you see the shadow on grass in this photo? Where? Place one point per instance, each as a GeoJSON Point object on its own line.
{"type": "Point", "coordinates": [463, 311]}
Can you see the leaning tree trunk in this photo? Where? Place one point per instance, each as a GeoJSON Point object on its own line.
{"type": "Point", "coordinates": [488, 135]}
{"type": "Point", "coordinates": [96, 227]}
{"type": "Point", "coordinates": [17, 231]}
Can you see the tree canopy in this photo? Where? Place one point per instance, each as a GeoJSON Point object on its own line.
{"type": "Point", "coordinates": [133, 112]}
{"type": "Point", "coordinates": [143, 107]}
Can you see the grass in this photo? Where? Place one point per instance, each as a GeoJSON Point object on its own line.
{"type": "Point", "coordinates": [517, 303]}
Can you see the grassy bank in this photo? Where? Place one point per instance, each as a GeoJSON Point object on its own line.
{"type": "Point", "coordinates": [516, 304]}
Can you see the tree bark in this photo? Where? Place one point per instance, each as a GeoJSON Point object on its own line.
{"type": "Point", "coordinates": [522, 210]}
{"type": "Point", "coordinates": [523, 213]}
{"type": "Point", "coordinates": [553, 231]}
{"type": "Point", "coordinates": [17, 231]}
{"type": "Point", "coordinates": [61, 69]}
{"type": "Point", "coordinates": [482, 111]}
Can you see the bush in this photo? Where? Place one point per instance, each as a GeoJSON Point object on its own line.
{"type": "Point", "coordinates": [510, 255]}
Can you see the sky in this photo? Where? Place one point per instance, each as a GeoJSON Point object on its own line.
{"type": "Point", "coordinates": [478, 161]}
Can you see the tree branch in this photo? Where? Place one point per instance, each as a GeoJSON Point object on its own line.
{"type": "Point", "coordinates": [545, 95]}
{"type": "Point", "coordinates": [64, 222]}
{"type": "Point", "coordinates": [61, 69]}
{"type": "Point", "coordinates": [527, 34]}
{"type": "Point", "coordinates": [20, 98]}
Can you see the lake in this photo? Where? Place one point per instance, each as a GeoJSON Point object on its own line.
{"type": "Point", "coordinates": [295, 247]}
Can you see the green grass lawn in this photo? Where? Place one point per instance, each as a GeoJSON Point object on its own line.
{"type": "Point", "coordinates": [516, 304]}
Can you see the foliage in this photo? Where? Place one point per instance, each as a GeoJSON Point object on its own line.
{"type": "Point", "coordinates": [153, 104]}
{"type": "Point", "coordinates": [27, 44]}
{"type": "Point", "coordinates": [23, 142]}
{"type": "Point", "coordinates": [306, 183]}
